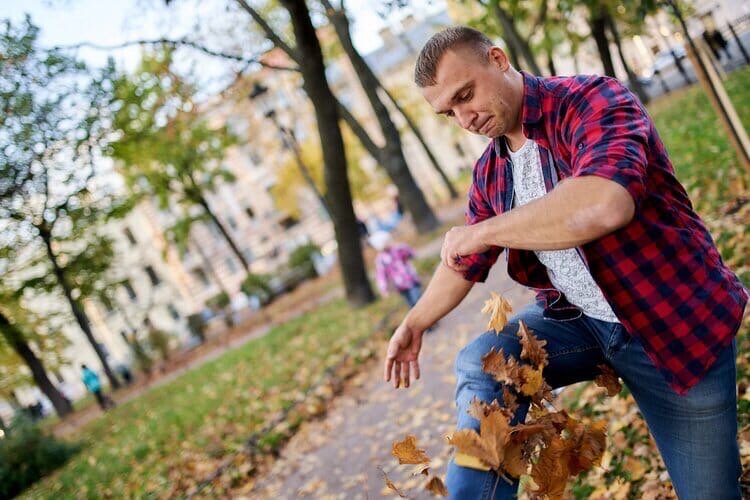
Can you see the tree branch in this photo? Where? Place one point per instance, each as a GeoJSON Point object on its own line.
{"type": "Point", "coordinates": [270, 33]}
{"type": "Point", "coordinates": [179, 42]}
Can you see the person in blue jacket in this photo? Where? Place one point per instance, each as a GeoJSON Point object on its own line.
{"type": "Point", "coordinates": [94, 385]}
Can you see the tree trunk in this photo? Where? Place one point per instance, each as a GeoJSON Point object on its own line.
{"type": "Point", "coordinates": [551, 63]}
{"type": "Point", "coordinates": [635, 84]}
{"type": "Point", "coordinates": [78, 313]}
{"type": "Point", "coordinates": [227, 237]}
{"type": "Point", "coordinates": [17, 341]}
{"type": "Point", "coordinates": [417, 206]}
{"type": "Point", "coordinates": [393, 154]}
{"type": "Point", "coordinates": [358, 290]}
{"type": "Point", "coordinates": [370, 83]}
{"type": "Point", "coordinates": [514, 38]}
{"type": "Point", "coordinates": [598, 26]}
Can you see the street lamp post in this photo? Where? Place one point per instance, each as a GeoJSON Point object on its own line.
{"type": "Point", "coordinates": [288, 141]}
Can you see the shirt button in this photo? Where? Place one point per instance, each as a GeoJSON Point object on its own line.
{"type": "Point", "coordinates": [580, 145]}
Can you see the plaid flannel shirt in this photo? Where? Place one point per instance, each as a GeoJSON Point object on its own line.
{"type": "Point", "coordinates": [661, 273]}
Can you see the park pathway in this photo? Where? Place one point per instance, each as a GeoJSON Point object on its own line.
{"type": "Point", "coordinates": [339, 456]}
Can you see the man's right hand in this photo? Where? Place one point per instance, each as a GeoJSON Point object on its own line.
{"type": "Point", "coordinates": [403, 351]}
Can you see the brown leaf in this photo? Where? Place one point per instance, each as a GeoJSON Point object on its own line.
{"type": "Point", "coordinates": [498, 309]}
{"type": "Point", "coordinates": [504, 370]}
{"type": "Point", "coordinates": [489, 444]}
{"type": "Point", "coordinates": [609, 380]}
{"type": "Point", "coordinates": [390, 484]}
{"type": "Point", "coordinates": [407, 452]}
{"type": "Point", "coordinates": [590, 443]}
{"type": "Point", "coordinates": [550, 472]}
{"type": "Point", "coordinates": [532, 348]}
{"type": "Point", "coordinates": [510, 400]}
{"type": "Point", "coordinates": [531, 380]}
{"type": "Point", "coordinates": [436, 487]}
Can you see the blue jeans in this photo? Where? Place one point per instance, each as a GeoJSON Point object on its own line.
{"type": "Point", "coordinates": [696, 433]}
{"type": "Point", "coordinates": [412, 294]}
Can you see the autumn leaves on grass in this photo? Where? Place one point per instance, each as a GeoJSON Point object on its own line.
{"type": "Point", "coordinates": [550, 446]}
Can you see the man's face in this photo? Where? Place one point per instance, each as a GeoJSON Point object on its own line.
{"type": "Point", "coordinates": [483, 96]}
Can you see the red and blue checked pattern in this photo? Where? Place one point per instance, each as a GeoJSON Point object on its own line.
{"type": "Point", "coordinates": [662, 274]}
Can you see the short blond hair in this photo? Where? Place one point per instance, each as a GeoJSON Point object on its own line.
{"type": "Point", "coordinates": [450, 38]}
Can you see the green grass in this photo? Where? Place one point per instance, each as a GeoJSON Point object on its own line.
{"type": "Point", "coordinates": [697, 143]}
{"type": "Point", "coordinates": [184, 428]}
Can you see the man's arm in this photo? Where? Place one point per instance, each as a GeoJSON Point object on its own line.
{"type": "Point", "coordinates": [577, 211]}
{"type": "Point", "coordinates": [446, 290]}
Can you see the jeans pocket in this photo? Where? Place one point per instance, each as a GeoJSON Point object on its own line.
{"type": "Point", "coordinates": [619, 341]}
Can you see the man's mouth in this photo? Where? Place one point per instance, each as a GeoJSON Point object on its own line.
{"type": "Point", "coordinates": [482, 130]}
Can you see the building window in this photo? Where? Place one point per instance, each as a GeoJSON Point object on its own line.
{"type": "Point", "coordinates": [288, 222]}
{"type": "Point", "coordinates": [230, 264]}
{"type": "Point", "coordinates": [152, 275]}
{"type": "Point", "coordinates": [200, 276]}
{"type": "Point", "coordinates": [173, 312]}
{"type": "Point", "coordinates": [249, 212]}
{"type": "Point", "coordinates": [129, 289]}
{"type": "Point", "coordinates": [129, 236]}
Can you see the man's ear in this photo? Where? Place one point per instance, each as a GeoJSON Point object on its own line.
{"type": "Point", "coordinates": [497, 57]}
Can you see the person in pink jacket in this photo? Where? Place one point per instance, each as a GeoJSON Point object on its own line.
{"type": "Point", "coordinates": [393, 269]}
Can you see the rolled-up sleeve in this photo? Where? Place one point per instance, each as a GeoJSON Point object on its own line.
{"type": "Point", "coordinates": [609, 137]}
{"type": "Point", "coordinates": [479, 209]}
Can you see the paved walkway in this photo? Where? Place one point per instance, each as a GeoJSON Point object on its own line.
{"type": "Point", "coordinates": [339, 456]}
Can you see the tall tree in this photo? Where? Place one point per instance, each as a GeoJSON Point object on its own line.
{"type": "Point", "coordinates": [393, 150]}
{"type": "Point", "coordinates": [411, 195]}
{"type": "Point", "coordinates": [12, 337]}
{"type": "Point", "coordinates": [166, 149]}
{"type": "Point", "coordinates": [52, 128]}
{"type": "Point", "coordinates": [358, 289]}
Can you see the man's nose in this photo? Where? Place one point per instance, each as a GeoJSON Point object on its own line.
{"type": "Point", "coordinates": [465, 118]}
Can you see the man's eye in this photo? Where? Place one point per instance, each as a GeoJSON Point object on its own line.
{"type": "Point", "coordinates": [466, 97]}
{"type": "Point", "coordinates": [449, 113]}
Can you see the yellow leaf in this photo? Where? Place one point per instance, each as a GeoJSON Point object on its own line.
{"type": "Point", "coordinates": [532, 380]}
{"type": "Point", "coordinates": [465, 460]}
{"type": "Point", "coordinates": [498, 308]}
{"type": "Point", "coordinates": [532, 348]}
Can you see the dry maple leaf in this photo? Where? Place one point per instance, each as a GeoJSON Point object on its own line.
{"type": "Point", "coordinates": [532, 348]}
{"type": "Point", "coordinates": [407, 452]}
{"type": "Point", "coordinates": [551, 471]}
{"type": "Point", "coordinates": [436, 487]}
{"type": "Point", "coordinates": [489, 444]}
{"type": "Point", "coordinates": [510, 400]}
{"type": "Point", "coordinates": [609, 380]}
{"type": "Point", "coordinates": [498, 309]}
{"type": "Point", "coordinates": [590, 443]}
{"type": "Point", "coordinates": [390, 484]}
{"type": "Point", "coordinates": [504, 370]}
{"type": "Point", "coordinates": [531, 380]}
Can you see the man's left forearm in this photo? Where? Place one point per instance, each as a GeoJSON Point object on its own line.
{"type": "Point", "coordinates": [577, 211]}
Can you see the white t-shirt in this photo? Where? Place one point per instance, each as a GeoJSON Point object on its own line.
{"type": "Point", "coordinates": [566, 270]}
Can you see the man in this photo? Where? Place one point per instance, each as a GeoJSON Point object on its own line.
{"type": "Point", "coordinates": [94, 385]}
{"type": "Point", "coordinates": [578, 187]}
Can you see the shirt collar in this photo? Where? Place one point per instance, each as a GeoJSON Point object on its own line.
{"type": "Point", "coordinates": [531, 112]}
